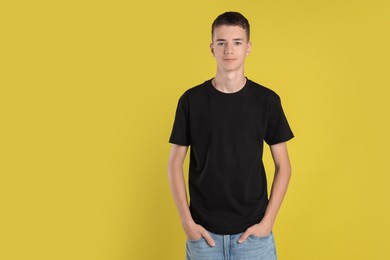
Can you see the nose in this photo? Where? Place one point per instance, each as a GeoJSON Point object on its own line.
{"type": "Point", "coordinates": [228, 49]}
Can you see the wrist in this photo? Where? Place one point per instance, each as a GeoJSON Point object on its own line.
{"type": "Point", "coordinates": [187, 221]}
{"type": "Point", "coordinates": [269, 220]}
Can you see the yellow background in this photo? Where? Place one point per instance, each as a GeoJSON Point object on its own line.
{"type": "Point", "coordinates": [87, 101]}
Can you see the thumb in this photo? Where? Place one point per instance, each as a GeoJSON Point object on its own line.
{"type": "Point", "coordinates": [244, 236]}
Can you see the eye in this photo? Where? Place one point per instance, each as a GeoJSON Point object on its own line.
{"type": "Point", "coordinates": [220, 43]}
{"type": "Point", "coordinates": [237, 43]}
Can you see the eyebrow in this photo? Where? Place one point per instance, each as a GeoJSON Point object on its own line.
{"type": "Point", "coordinates": [223, 40]}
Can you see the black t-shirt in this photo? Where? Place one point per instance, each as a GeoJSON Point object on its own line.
{"type": "Point", "coordinates": [227, 181]}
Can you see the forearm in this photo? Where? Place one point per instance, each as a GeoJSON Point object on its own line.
{"type": "Point", "coordinates": [279, 188]}
{"type": "Point", "coordinates": [192, 230]}
{"type": "Point", "coordinates": [278, 191]}
{"type": "Point", "coordinates": [178, 189]}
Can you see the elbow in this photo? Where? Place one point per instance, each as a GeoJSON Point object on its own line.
{"type": "Point", "coordinates": [289, 168]}
{"type": "Point", "coordinates": [170, 167]}
{"type": "Point", "coordinates": [284, 169]}
{"type": "Point", "coordinates": [173, 166]}
{"type": "Point", "coordinates": [170, 171]}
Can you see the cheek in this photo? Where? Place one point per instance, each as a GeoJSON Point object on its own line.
{"type": "Point", "coordinates": [218, 53]}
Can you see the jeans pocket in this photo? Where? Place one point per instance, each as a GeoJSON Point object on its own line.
{"type": "Point", "coordinates": [195, 241]}
{"type": "Point", "coordinates": [261, 237]}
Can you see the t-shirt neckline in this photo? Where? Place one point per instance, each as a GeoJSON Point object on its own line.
{"type": "Point", "coordinates": [232, 94]}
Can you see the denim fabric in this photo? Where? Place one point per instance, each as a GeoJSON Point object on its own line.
{"type": "Point", "coordinates": [227, 248]}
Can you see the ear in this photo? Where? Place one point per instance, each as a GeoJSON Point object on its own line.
{"type": "Point", "coordinates": [212, 48]}
{"type": "Point", "coordinates": [249, 48]}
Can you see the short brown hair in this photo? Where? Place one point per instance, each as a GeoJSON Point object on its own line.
{"type": "Point", "coordinates": [231, 19]}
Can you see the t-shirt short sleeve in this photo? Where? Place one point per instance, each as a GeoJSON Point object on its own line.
{"type": "Point", "coordinates": [180, 132]}
{"type": "Point", "coordinates": [278, 129]}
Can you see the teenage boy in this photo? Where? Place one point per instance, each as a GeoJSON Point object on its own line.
{"type": "Point", "coordinates": [226, 120]}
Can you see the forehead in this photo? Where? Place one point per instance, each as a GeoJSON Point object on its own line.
{"type": "Point", "coordinates": [228, 32]}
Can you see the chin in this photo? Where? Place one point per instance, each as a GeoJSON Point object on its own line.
{"type": "Point", "coordinates": [230, 68]}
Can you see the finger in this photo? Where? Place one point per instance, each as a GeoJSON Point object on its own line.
{"type": "Point", "coordinates": [244, 236]}
{"type": "Point", "coordinates": [208, 238]}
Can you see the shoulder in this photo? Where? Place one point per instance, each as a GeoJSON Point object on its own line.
{"type": "Point", "coordinates": [263, 92]}
{"type": "Point", "coordinates": [195, 92]}
{"type": "Point", "coordinates": [198, 89]}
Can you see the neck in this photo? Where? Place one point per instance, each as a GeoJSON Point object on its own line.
{"type": "Point", "coordinates": [229, 82]}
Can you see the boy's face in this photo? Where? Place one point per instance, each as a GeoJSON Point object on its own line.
{"type": "Point", "coordinates": [230, 47]}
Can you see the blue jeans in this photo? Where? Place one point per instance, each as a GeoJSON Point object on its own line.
{"type": "Point", "coordinates": [227, 248]}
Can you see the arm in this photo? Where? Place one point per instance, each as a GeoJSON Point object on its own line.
{"type": "Point", "coordinates": [278, 191]}
{"type": "Point", "coordinates": [192, 230]}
